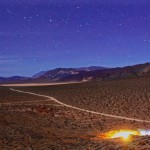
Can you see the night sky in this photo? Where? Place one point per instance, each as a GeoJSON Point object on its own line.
{"type": "Point", "coordinates": [37, 35]}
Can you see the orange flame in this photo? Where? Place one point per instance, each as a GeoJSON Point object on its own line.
{"type": "Point", "coordinates": [124, 134]}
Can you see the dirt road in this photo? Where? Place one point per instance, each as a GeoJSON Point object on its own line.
{"type": "Point", "coordinates": [80, 109]}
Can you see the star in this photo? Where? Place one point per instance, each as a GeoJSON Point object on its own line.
{"type": "Point", "coordinates": [61, 33]}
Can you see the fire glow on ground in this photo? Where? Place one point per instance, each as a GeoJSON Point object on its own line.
{"type": "Point", "coordinates": [124, 134]}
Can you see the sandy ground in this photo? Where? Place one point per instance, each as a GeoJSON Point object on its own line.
{"type": "Point", "coordinates": [77, 108]}
{"type": "Point", "coordinates": [37, 84]}
{"type": "Point", "coordinates": [46, 125]}
{"type": "Point", "coordinates": [68, 117]}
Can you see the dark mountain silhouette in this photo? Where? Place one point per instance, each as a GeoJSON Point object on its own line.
{"type": "Point", "coordinates": [39, 74]}
{"type": "Point", "coordinates": [91, 68]}
{"type": "Point", "coordinates": [65, 71]}
{"type": "Point", "coordinates": [83, 74]}
{"type": "Point", "coordinates": [13, 79]}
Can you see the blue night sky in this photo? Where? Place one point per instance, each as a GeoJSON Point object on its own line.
{"type": "Point", "coordinates": [38, 35]}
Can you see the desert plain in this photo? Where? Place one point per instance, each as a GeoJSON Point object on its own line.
{"type": "Point", "coordinates": [70, 116]}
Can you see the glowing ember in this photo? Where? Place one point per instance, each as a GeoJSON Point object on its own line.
{"type": "Point", "coordinates": [124, 134]}
{"type": "Point", "coordinates": [144, 132]}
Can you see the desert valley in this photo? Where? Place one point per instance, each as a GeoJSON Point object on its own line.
{"type": "Point", "coordinates": [74, 74]}
{"type": "Point", "coordinates": [75, 116]}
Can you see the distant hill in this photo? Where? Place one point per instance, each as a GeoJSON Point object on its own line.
{"type": "Point", "coordinates": [91, 68]}
{"type": "Point", "coordinates": [13, 79]}
{"type": "Point", "coordinates": [39, 74]}
{"type": "Point", "coordinates": [92, 73]}
{"type": "Point", "coordinates": [65, 71]}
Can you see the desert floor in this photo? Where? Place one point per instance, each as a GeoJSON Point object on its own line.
{"type": "Point", "coordinates": [30, 122]}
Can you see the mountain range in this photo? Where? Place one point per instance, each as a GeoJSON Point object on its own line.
{"type": "Point", "coordinates": [92, 73]}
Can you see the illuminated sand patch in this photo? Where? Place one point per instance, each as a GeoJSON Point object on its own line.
{"type": "Point", "coordinates": [124, 134]}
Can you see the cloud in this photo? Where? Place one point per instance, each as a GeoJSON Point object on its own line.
{"type": "Point", "coordinates": [7, 59]}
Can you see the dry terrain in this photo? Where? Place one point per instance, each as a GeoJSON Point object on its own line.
{"type": "Point", "coordinates": [30, 122]}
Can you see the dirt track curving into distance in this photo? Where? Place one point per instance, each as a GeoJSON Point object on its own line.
{"type": "Point", "coordinates": [80, 109]}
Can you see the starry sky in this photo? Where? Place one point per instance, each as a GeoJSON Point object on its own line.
{"type": "Point", "coordinates": [37, 35]}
